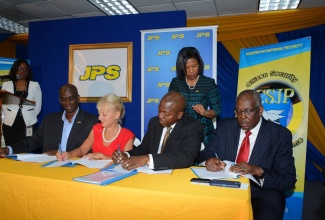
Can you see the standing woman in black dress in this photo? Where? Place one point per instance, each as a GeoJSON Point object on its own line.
{"type": "Point", "coordinates": [19, 121]}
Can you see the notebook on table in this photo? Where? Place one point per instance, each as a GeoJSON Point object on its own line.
{"type": "Point", "coordinates": [105, 177]}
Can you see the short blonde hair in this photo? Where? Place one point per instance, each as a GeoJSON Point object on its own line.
{"type": "Point", "coordinates": [114, 102]}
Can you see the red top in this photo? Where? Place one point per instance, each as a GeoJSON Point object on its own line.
{"type": "Point", "coordinates": [124, 136]}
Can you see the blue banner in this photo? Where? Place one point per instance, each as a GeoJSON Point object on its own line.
{"type": "Point", "coordinates": [159, 52]}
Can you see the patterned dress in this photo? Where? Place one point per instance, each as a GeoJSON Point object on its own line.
{"type": "Point", "coordinates": [206, 93]}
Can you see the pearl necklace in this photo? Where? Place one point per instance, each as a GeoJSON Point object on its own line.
{"type": "Point", "coordinates": [192, 87]}
{"type": "Point", "coordinates": [103, 134]}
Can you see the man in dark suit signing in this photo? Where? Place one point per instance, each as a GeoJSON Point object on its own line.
{"type": "Point", "coordinates": [179, 149]}
{"type": "Point", "coordinates": [268, 156]}
{"type": "Point", "coordinates": [69, 128]}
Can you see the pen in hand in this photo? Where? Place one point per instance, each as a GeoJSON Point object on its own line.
{"type": "Point", "coordinates": [60, 149]}
{"type": "Point", "coordinates": [119, 150]}
{"type": "Point", "coordinates": [223, 167]}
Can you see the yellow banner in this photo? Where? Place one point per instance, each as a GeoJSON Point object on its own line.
{"type": "Point", "coordinates": [281, 73]}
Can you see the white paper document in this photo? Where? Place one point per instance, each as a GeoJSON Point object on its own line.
{"type": "Point", "coordinates": [144, 169]}
{"type": "Point", "coordinates": [83, 161]}
{"type": "Point", "coordinates": [36, 158]}
{"type": "Point", "coordinates": [223, 174]}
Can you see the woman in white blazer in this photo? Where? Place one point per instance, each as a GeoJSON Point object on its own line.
{"type": "Point", "coordinates": [19, 120]}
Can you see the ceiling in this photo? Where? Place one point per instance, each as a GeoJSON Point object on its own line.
{"type": "Point", "coordinates": [26, 11]}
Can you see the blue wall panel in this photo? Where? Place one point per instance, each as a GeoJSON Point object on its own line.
{"type": "Point", "coordinates": [49, 52]}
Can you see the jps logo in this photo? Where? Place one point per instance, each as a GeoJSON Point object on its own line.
{"type": "Point", "coordinates": [153, 37]}
{"type": "Point", "coordinates": [163, 84]}
{"type": "Point", "coordinates": [152, 100]}
{"type": "Point", "coordinates": [111, 72]}
{"type": "Point", "coordinates": [177, 36]}
{"type": "Point", "coordinates": [153, 68]}
{"type": "Point", "coordinates": [206, 67]}
{"type": "Point", "coordinates": [203, 34]}
{"type": "Point", "coordinates": [163, 52]}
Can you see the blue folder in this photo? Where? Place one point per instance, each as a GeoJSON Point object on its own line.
{"type": "Point", "coordinates": [68, 164]}
{"type": "Point", "coordinates": [105, 177]}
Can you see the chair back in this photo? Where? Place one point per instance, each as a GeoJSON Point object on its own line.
{"type": "Point", "coordinates": [136, 142]}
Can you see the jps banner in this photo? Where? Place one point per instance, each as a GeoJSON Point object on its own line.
{"type": "Point", "coordinates": [159, 52]}
{"type": "Point", "coordinates": [281, 74]}
{"type": "Point", "coordinates": [99, 69]}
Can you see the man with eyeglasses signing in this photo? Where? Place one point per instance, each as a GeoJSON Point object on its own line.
{"type": "Point", "coordinates": [68, 129]}
{"type": "Point", "coordinates": [260, 148]}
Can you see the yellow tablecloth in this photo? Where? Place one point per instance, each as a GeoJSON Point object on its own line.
{"type": "Point", "coordinates": [28, 191]}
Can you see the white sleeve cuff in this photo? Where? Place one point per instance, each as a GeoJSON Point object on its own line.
{"type": "Point", "coordinates": [10, 150]}
{"type": "Point", "coordinates": [151, 164]}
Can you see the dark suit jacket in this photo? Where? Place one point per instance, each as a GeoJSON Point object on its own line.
{"type": "Point", "coordinates": [182, 146]}
{"type": "Point", "coordinates": [49, 133]}
{"type": "Point", "coordinates": [272, 151]}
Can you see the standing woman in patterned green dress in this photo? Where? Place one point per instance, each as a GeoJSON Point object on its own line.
{"type": "Point", "coordinates": [201, 92]}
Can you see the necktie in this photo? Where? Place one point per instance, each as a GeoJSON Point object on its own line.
{"type": "Point", "coordinates": [165, 139]}
{"type": "Point", "coordinates": [244, 149]}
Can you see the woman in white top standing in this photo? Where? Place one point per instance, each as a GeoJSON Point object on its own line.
{"type": "Point", "coordinates": [20, 120]}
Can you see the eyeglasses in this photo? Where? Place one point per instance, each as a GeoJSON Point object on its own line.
{"type": "Point", "coordinates": [22, 69]}
{"type": "Point", "coordinates": [246, 111]}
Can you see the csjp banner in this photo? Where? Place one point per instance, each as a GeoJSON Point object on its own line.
{"type": "Point", "coordinates": [281, 74]}
{"type": "Point", "coordinates": [159, 50]}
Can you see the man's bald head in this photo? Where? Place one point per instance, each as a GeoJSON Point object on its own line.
{"type": "Point", "coordinates": [176, 99]}
{"type": "Point", "coordinates": [171, 108]}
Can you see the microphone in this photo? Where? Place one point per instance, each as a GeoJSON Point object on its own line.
{"type": "Point", "coordinates": [18, 77]}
